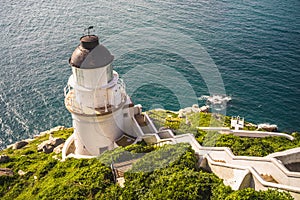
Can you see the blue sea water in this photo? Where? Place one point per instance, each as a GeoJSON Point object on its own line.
{"type": "Point", "coordinates": [254, 45]}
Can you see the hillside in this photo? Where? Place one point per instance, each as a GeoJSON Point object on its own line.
{"type": "Point", "coordinates": [167, 172]}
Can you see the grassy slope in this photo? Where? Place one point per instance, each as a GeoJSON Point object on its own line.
{"type": "Point", "coordinates": [48, 178]}
{"type": "Point", "coordinates": [239, 145]}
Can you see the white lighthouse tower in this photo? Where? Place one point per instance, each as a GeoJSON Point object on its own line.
{"type": "Point", "coordinates": [102, 113]}
{"type": "Point", "coordinates": [96, 97]}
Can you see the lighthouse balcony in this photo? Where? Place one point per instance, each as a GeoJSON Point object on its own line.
{"type": "Point", "coordinates": [78, 108]}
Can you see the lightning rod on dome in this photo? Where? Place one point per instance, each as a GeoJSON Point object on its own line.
{"type": "Point", "coordinates": [88, 29]}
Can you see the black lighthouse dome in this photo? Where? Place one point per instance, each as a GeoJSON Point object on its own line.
{"type": "Point", "coordinates": [90, 54]}
{"type": "Point", "coordinates": [89, 41]}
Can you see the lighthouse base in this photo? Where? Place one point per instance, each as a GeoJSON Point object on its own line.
{"type": "Point", "coordinates": [136, 125]}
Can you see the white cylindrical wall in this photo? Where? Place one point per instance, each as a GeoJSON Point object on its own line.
{"type": "Point", "coordinates": [92, 78]}
{"type": "Point", "coordinates": [93, 99]}
{"type": "Point", "coordinates": [97, 97]}
{"type": "Point", "coordinates": [99, 132]}
{"type": "Point", "coordinates": [80, 148]}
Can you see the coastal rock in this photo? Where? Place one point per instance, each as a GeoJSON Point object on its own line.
{"type": "Point", "coordinates": [4, 158]}
{"type": "Point", "coordinates": [57, 128]}
{"type": "Point", "coordinates": [49, 145]}
{"type": "Point", "coordinates": [21, 172]}
{"type": "Point", "coordinates": [267, 127]}
{"type": "Point", "coordinates": [9, 146]}
{"type": "Point", "coordinates": [58, 149]}
{"type": "Point", "coordinates": [204, 108]}
{"type": "Point", "coordinates": [251, 125]}
{"type": "Point", "coordinates": [46, 148]}
{"type": "Point", "coordinates": [42, 134]}
{"type": "Point", "coordinates": [56, 141]}
{"type": "Point", "coordinates": [51, 131]}
{"type": "Point", "coordinates": [6, 172]}
{"type": "Point", "coordinates": [194, 109]}
{"type": "Point", "coordinates": [19, 145]}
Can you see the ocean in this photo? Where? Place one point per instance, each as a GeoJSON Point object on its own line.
{"type": "Point", "coordinates": [169, 53]}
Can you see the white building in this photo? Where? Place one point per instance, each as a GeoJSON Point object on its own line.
{"type": "Point", "coordinates": [237, 123]}
{"type": "Point", "coordinates": [103, 115]}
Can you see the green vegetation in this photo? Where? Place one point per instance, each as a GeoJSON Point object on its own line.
{"type": "Point", "coordinates": [167, 172]}
{"type": "Point", "coordinates": [244, 146]}
{"type": "Point", "coordinates": [122, 154]}
{"type": "Point", "coordinates": [239, 145]}
{"type": "Point", "coordinates": [256, 146]}
{"type": "Point", "coordinates": [225, 193]}
{"type": "Point", "coordinates": [171, 172]}
{"type": "Point", "coordinates": [52, 179]}
{"type": "Point", "coordinates": [169, 119]}
{"type": "Point", "coordinates": [47, 178]}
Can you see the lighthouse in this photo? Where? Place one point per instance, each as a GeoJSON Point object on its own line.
{"type": "Point", "coordinates": [96, 98]}
{"type": "Point", "coordinates": [103, 115]}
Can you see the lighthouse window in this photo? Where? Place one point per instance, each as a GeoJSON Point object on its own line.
{"type": "Point", "coordinates": [101, 150]}
{"type": "Point", "coordinates": [109, 71]}
{"type": "Point", "coordinates": [79, 76]}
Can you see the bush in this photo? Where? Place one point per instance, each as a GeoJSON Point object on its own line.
{"type": "Point", "coordinates": [180, 154]}
{"type": "Point", "coordinates": [169, 173]}
{"type": "Point", "coordinates": [250, 193]}
{"type": "Point", "coordinates": [254, 146]}
{"type": "Point", "coordinates": [182, 184]}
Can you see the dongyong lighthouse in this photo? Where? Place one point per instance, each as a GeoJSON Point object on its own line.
{"type": "Point", "coordinates": [102, 113]}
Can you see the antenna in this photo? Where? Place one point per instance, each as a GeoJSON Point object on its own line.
{"type": "Point", "coordinates": [88, 29]}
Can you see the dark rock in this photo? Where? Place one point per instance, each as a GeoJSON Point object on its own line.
{"type": "Point", "coordinates": [48, 148]}
{"type": "Point", "coordinates": [48, 145]}
{"type": "Point", "coordinates": [6, 172]}
{"type": "Point", "coordinates": [19, 145]}
{"type": "Point", "coordinates": [4, 158]}
{"type": "Point", "coordinates": [57, 141]}
{"type": "Point", "coordinates": [58, 149]}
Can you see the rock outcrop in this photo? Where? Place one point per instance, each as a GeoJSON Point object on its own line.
{"type": "Point", "coordinates": [4, 158]}
{"type": "Point", "coordinates": [194, 109]}
{"type": "Point", "coordinates": [58, 149]}
{"type": "Point", "coordinates": [49, 145]}
{"type": "Point", "coordinates": [51, 131]}
{"type": "Point", "coordinates": [20, 144]}
{"type": "Point", "coordinates": [6, 172]}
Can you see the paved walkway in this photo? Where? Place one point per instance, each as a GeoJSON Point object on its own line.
{"type": "Point", "coordinates": [245, 133]}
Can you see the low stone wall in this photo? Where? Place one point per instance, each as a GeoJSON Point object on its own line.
{"type": "Point", "coordinates": [258, 134]}
{"type": "Point", "coordinates": [245, 133]}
